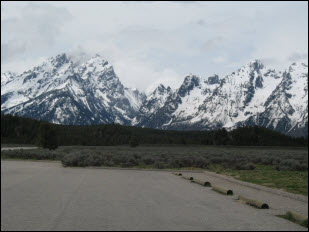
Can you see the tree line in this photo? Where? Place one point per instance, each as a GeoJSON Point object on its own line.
{"type": "Point", "coordinates": [16, 129]}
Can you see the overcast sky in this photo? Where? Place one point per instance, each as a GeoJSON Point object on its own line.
{"type": "Point", "coordinates": [153, 42]}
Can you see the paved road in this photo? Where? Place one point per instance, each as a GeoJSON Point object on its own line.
{"type": "Point", "coordinates": [46, 196]}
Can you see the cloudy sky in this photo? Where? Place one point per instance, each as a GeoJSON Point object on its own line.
{"type": "Point", "coordinates": [153, 42]}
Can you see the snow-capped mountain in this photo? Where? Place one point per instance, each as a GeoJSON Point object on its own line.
{"type": "Point", "coordinates": [6, 77]}
{"type": "Point", "coordinates": [152, 103]}
{"type": "Point", "coordinates": [67, 92]}
{"type": "Point", "coordinates": [286, 109]}
{"type": "Point", "coordinates": [253, 95]}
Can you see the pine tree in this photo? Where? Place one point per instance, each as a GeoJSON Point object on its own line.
{"type": "Point", "coordinates": [133, 141]}
{"type": "Point", "coordinates": [47, 136]}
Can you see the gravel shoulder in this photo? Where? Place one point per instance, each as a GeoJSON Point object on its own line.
{"type": "Point", "coordinates": [278, 200]}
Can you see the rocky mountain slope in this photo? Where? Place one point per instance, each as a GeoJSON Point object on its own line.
{"type": "Point", "coordinates": [67, 92]}
{"type": "Point", "coordinates": [70, 91]}
{"type": "Point", "coordinates": [253, 95]}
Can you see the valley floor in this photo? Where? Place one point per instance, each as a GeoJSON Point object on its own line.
{"type": "Point", "coordinates": [46, 196]}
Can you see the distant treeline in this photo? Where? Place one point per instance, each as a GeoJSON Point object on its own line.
{"type": "Point", "coordinates": [21, 130]}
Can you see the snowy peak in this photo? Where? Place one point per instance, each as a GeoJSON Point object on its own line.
{"type": "Point", "coordinates": [97, 61]}
{"type": "Point", "coordinates": [7, 77]}
{"type": "Point", "coordinates": [71, 91]}
{"type": "Point", "coordinates": [59, 60]}
{"type": "Point", "coordinates": [299, 68]}
{"type": "Point", "coordinates": [248, 73]}
{"type": "Point", "coordinates": [135, 97]}
{"type": "Point", "coordinates": [190, 82]}
{"type": "Point", "coordinates": [86, 90]}
{"type": "Point", "coordinates": [256, 65]}
{"type": "Point", "coordinates": [161, 90]}
{"type": "Point", "coordinates": [213, 80]}
{"type": "Point", "coordinates": [295, 85]}
{"type": "Point", "coordinates": [252, 95]}
{"type": "Point", "coordinates": [151, 104]}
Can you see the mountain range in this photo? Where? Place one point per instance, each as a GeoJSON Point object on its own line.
{"type": "Point", "coordinates": [68, 91]}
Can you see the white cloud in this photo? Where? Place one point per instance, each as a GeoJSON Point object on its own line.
{"type": "Point", "coordinates": [34, 30]}
{"type": "Point", "coordinates": [130, 67]}
{"type": "Point", "coordinates": [298, 57]}
{"type": "Point", "coordinates": [220, 59]}
{"type": "Point", "coordinates": [151, 42]}
{"type": "Point", "coordinates": [20, 66]}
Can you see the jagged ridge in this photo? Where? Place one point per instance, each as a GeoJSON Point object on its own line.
{"type": "Point", "coordinates": [253, 95]}
{"type": "Point", "coordinates": [69, 91]}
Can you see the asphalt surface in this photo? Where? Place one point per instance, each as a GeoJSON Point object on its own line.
{"type": "Point", "coordinates": [46, 196]}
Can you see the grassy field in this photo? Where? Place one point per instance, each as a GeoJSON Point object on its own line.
{"type": "Point", "coordinates": [267, 175]}
{"type": "Point", "coordinates": [290, 217]}
{"type": "Point", "coordinates": [17, 145]}
{"type": "Point", "coordinates": [276, 167]}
